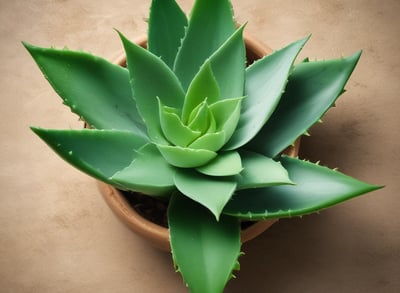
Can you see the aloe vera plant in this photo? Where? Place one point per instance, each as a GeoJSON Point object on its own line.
{"type": "Point", "coordinates": [188, 122]}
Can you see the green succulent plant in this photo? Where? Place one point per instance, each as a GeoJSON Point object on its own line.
{"type": "Point", "coordinates": [188, 122]}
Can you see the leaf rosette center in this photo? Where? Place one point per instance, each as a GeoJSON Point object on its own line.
{"type": "Point", "coordinates": [196, 132]}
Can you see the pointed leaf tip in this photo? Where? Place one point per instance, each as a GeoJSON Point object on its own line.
{"type": "Point", "coordinates": [144, 68]}
{"type": "Point", "coordinates": [314, 86]}
{"type": "Point", "coordinates": [316, 188]}
{"type": "Point", "coordinates": [265, 82]}
{"type": "Point", "coordinates": [104, 100]}
{"type": "Point", "coordinates": [99, 153]}
{"type": "Point", "coordinates": [167, 23]}
{"type": "Point", "coordinates": [205, 251]}
{"type": "Point", "coordinates": [225, 164]}
{"type": "Point", "coordinates": [211, 192]}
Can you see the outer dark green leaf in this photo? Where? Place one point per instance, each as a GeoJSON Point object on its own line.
{"type": "Point", "coordinates": [205, 251]}
{"type": "Point", "coordinates": [151, 78]}
{"type": "Point", "coordinates": [316, 188]}
{"type": "Point", "coordinates": [208, 18]}
{"type": "Point", "coordinates": [265, 83]}
{"type": "Point", "coordinates": [99, 153]}
{"type": "Point", "coordinates": [92, 87]}
{"type": "Point", "coordinates": [167, 24]}
{"type": "Point", "coordinates": [148, 173]}
{"type": "Point", "coordinates": [211, 192]}
{"type": "Point", "coordinates": [312, 89]}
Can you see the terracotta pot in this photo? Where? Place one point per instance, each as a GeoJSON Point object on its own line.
{"type": "Point", "coordinates": [156, 234]}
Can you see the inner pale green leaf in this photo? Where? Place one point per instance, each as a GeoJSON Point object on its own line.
{"type": "Point", "coordinates": [226, 164]}
{"type": "Point", "coordinates": [210, 141]}
{"type": "Point", "coordinates": [174, 130]}
{"type": "Point", "coordinates": [186, 157]}
{"type": "Point", "coordinates": [203, 86]}
{"type": "Point", "coordinates": [226, 114]}
{"type": "Point", "coordinates": [200, 118]}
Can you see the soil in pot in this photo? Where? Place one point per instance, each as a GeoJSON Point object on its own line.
{"type": "Point", "coordinates": [154, 209]}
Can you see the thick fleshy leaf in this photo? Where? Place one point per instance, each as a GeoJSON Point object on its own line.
{"type": "Point", "coordinates": [167, 23]}
{"type": "Point", "coordinates": [205, 251]}
{"type": "Point", "coordinates": [200, 120]}
{"type": "Point", "coordinates": [265, 83]}
{"type": "Point", "coordinates": [260, 171]}
{"type": "Point", "coordinates": [148, 173]}
{"type": "Point", "coordinates": [104, 100]}
{"type": "Point", "coordinates": [99, 153]}
{"type": "Point", "coordinates": [210, 141]}
{"type": "Point", "coordinates": [173, 129]}
{"type": "Point", "coordinates": [226, 164]}
{"type": "Point", "coordinates": [208, 18]}
{"type": "Point", "coordinates": [211, 192]}
{"type": "Point", "coordinates": [186, 157]}
{"type": "Point", "coordinates": [227, 114]}
{"type": "Point", "coordinates": [150, 79]}
{"type": "Point", "coordinates": [316, 188]}
{"type": "Point", "coordinates": [228, 65]}
{"type": "Point", "coordinates": [203, 86]}
{"type": "Point", "coordinates": [312, 89]}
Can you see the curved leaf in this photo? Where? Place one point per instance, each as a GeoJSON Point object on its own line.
{"type": "Point", "coordinates": [312, 89]}
{"type": "Point", "coordinates": [260, 171]}
{"type": "Point", "coordinates": [174, 130]}
{"type": "Point", "coordinates": [104, 100]}
{"type": "Point", "coordinates": [205, 251]}
{"type": "Point", "coordinates": [210, 141]}
{"type": "Point", "coordinates": [208, 17]}
{"type": "Point", "coordinates": [144, 69]}
{"type": "Point", "coordinates": [265, 82]}
{"type": "Point", "coordinates": [186, 157]}
{"type": "Point", "coordinates": [202, 86]}
{"type": "Point", "coordinates": [167, 23]}
{"type": "Point", "coordinates": [316, 188]}
{"type": "Point", "coordinates": [225, 164]}
{"type": "Point", "coordinates": [227, 113]}
{"type": "Point", "coordinates": [148, 173]}
{"type": "Point", "coordinates": [200, 118]}
{"type": "Point", "coordinates": [211, 192]}
{"type": "Point", "coordinates": [228, 64]}
{"type": "Point", "coordinates": [99, 153]}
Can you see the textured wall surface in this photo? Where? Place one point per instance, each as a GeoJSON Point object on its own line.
{"type": "Point", "coordinates": [58, 235]}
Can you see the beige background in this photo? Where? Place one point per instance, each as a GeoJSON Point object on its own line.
{"type": "Point", "coordinates": [57, 234]}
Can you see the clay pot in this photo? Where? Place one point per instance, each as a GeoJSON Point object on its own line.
{"type": "Point", "coordinates": [156, 234]}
